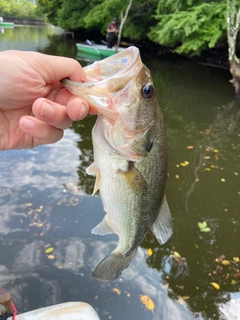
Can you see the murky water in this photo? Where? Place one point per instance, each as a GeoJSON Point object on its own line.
{"type": "Point", "coordinates": [46, 203]}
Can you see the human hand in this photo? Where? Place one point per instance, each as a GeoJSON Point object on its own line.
{"type": "Point", "coordinates": [34, 106]}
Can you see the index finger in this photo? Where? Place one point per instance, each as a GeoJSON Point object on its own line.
{"type": "Point", "coordinates": [55, 68]}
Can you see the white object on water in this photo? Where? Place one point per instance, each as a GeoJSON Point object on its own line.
{"type": "Point", "coordinates": [63, 311]}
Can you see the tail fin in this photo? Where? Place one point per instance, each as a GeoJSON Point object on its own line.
{"type": "Point", "coordinates": [112, 266]}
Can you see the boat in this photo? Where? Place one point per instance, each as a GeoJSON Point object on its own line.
{"type": "Point", "coordinates": [97, 49]}
{"type": "Point", "coordinates": [63, 311]}
{"type": "Point", "coordinates": [6, 24]}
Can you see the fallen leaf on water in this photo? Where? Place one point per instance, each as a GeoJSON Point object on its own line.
{"type": "Point", "coordinates": [215, 150]}
{"type": "Point", "coordinates": [223, 180]}
{"type": "Point", "coordinates": [190, 147]}
{"type": "Point", "coordinates": [177, 176]}
{"type": "Point", "coordinates": [233, 281]}
{"type": "Point", "coordinates": [150, 252]}
{"type": "Point", "coordinates": [149, 304]}
{"type": "Point", "coordinates": [215, 285]}
{"type": "Point", "coordinates": [51, 257]}
{"type": "Point", "coordinates": [236, 173]}
{"type": "Point", "coordinates": [225, 262]}
{"type": "Point", "coordinates": [116, 290]}
{"type": "Point", "coordinates": [176, 254]}
{"type": "Point", "coordinates": [236, 259]}
{"type": "Point", "coordinates": [49, 250]}
{"type": "Point", "coordinates": [28, 204]}
{"type": "Point", "coordinates": [184, 164]}
{"type": "Point", "coordinates": [203, 226]}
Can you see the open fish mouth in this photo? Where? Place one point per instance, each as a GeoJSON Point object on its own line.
{"type": "Point", "coordinates": [106, 78]}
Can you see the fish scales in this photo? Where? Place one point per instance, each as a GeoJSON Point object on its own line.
{"type": "Point", "coordinates": [130, 156]}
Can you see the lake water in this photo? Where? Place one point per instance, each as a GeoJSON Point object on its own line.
{"type": "Point", "coordinates": [46, 205]}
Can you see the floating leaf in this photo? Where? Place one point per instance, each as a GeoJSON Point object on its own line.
{"type": "Point", "coordinates": [235, 259]}
{"type": "Point", "coordinates": [176, 254]}
{"type": "Point", "coordinates": [207, 229]}
{"type": "Point", "coordinates": [150, 252]}
{"type": "Point", "coordinates": [177, 176]}
{"type": "Point", "coordinates": [215, 285]}
{"type": "Point", "coordinates": [190, 147]}
{"type": "Point", "coordinates": [184, 164]}
{"type": "Point", "coordinates": [223, 180]}
{"type": "Point", "coordinates": [49, 250]}
{"type": "Point", "coordinates": [51, 256]}
{"type": "Point", "coordinates": [149, 304]}
{"type": "Point", "coordinates": [28, 204]}
{"type": "Point", "coordinates": [215, 150]}
{"type": "Point", "coordinates": [233, 281]}
{"type": "Point", "coordinates": [116, 290]}
{"type": "Point", "coordinates": [203, 226]}
{"type": "Point", "coordinates": [225, 262]}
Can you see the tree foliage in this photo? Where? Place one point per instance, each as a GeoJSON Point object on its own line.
{"type": "Point", "coordinates": [12, 9]}
{"type": "Point", "coordinates": [191, 26]}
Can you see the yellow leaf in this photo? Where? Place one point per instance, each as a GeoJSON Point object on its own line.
{"type": "Point", "coordinates": [51, 256]}
{"type": "Point", "coordinates": [116, 290]}
{"type": "Point", "coordinates": [184, 164]}
{"type": "Point", "coordinates": [177, 176]}
{"type": "Point", "coordinates": [215, 285]}
{"type": "Point", "coordinates": [223, 180]}
{"type": "Point", "coordinates": [233, 281]}
{"type": "Point", "coordinates": [28, 204]}
{"type": "Point", "coordinates": [236, 259]}
{"type": "Point", "coordinates": [49, 250]}
{"type": "Point", "coordinates": [150, 252]}
{"type": "Point", "coordinates": [190, 147]}
{"type": "Point", "coordinates": [176, 254]}
{"type": "Point", "coordinates": [225, 262]}
{"type": "Point", "coordinates": [215, 150]}
{"type": "Point", "coordinates": [149, 304]}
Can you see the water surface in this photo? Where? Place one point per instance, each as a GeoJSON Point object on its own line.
{"type": "Point", "coordinates": [46, 202]}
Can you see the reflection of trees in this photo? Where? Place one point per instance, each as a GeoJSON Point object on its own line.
{"type": "Point", "coordinates": [84, 129]}
{"type": "Point", "coordinates": [59, 46]}
{"type": "Point", "coordinates": [214, 157]}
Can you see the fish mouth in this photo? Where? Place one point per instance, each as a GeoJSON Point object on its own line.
{"type": "Point", "coordinates": [105, 79]}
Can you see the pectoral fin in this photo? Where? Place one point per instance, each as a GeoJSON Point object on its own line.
{"type": "Point", "coordinates": [134, 178]}
{"type": "Point", "coordinates": [93, 170]}
{"type": "Point", "coordinates": [162, 227]}
{"type": "Point", "coordinates": [102, 228]}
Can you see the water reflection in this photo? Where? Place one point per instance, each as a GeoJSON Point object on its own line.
{"type": "Point", "coordinates": [45, 202]}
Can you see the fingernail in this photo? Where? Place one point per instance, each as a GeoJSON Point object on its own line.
{"type": "Point", "coordinates": [47, 110]}
{"type": "Point", "coordinates": [28, 124]}
{"type": "Point", "coordinates": [84, 111]}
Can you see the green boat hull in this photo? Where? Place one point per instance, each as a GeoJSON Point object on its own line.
{"type": "Point", "coordinates": [6, 24]}
{"type": "Point", "coordinates": [97, 50]}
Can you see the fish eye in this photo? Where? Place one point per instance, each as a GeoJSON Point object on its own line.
{"type": "Point", "coordinates": [148, 91]}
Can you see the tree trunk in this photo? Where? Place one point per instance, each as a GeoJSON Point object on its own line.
{"type": "Point", "coordinates": [233, 21]}
{"type": "Point", "coordinates": [123, 19]}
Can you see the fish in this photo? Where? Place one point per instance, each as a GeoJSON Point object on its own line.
{"type": "Point", "coordinates": [130, 155]}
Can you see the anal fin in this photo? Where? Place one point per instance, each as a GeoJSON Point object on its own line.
{"type": "Point", "coordinates": [162, 226]}
{"type": "Point", "coordinates": [102, 228]}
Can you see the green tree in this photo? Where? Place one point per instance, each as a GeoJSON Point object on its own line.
{"type": "Point", "coordinates": [50, 8]}
{"type": "Point", "coordinates": [189, 27]}
{"type": "Point", "coordinates": [72, 13]}
{"type": "Point", "coordinates": [12, 9]}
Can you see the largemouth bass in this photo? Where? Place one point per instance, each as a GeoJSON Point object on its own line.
{"type": "Point", "coordinates": [130, 155]}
